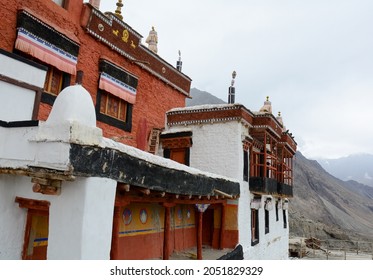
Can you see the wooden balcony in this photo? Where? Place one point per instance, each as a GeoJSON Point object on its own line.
{"type": "Point", "coordinates": [263, 185]}
{"type": "Point", "coordinates": [285, 190]}
{"type": "Point", "coordinates": [269, 186]}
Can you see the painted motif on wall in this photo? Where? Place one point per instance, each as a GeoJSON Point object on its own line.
{"type": "Point", "coordinates": [148, 218]}
{"type": "Point", "coordinates": [127, 216]}
{"type": "Point", "coordinates": [141, 218]}
{"type": "Point", "coordinates": [183, 217]}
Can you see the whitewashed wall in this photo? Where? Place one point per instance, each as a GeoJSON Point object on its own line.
{"type": "Point", "coordinates": [273, 245]}
{"type": "Point", "coordinates": [13, 218]}
{"type": "Point", "coordinates": [217, 148]}
{"type": "Point", "coordinates": [80, 218]}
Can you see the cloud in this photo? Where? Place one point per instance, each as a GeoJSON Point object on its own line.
{"type": "Point", "coordinates": [313, 58]}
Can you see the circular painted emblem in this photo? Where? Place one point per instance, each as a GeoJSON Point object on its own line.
{"type": "Point", "coordinates": [127, 216]}
{"type": "Point", "coordinates": [143, 216]}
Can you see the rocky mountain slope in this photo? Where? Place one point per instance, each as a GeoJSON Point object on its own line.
{"type": "Point", "coordinates": [323, 206]}
{"type": "Point", "coordinates": [326, 207]}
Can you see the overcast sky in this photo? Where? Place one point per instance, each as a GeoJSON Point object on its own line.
{"type": "Point", "coordinates": [314, 59]}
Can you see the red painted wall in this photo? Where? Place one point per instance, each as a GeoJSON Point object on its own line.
{"type": "Point", "coordinates": [150, 246]}
{"type": "Point", "coordinates": [154, 97]}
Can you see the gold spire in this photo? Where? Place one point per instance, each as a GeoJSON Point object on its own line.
{"type": "Point", "coordinates": [118, 11]}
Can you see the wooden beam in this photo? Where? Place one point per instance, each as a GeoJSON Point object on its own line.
{"type": "Point", "coordinates": [145, 191]}
{"type": "Point", "coordinates": [46, 186]}
{"type": "Point", "coordinates": [123, 187]}
{"type": "Point", "coordinates": [223, 193]}
{"type": "Point", "coordinates": [32, 203]}
{"type": "Point", "coordinates": [40, 173]}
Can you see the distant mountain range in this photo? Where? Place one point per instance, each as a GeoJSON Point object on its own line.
{"type": "Point", "coordinates": [202, 97]}
{"type": "Point", "coordinates": [324, 206]}
{"type": "Point", "coordinates": [358, 168]}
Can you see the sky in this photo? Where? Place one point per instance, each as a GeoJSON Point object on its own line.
{"type": "Point", "coordinates": [314, 59]}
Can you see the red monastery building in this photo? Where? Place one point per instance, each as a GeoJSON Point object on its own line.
{"type": "Point", "coordinates": [131, 86]}
{"type": "Point", "coordinates": [100, 158]}
{"type": "Point", "coordinates": [90, 102]}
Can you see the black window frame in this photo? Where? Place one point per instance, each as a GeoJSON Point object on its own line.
{"type": "Point", "coordinates": [126, 126]}
{"type": "Point", "coordinates": [255, 238]}
{"type": "Point", "coordinates": [245, 165]}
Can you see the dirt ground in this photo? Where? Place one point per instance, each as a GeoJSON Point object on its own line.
{"type": "Point", "coordinates": [299, 250]}
{"type": "Point", "coordinates": [207, 254]}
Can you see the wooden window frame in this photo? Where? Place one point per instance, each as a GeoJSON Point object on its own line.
{"type": "Point", "coordinates": [110, 120]}
{"type": "Point", "coordinates": [33, 207]}
{"type": "Point", "coordinates": [254, 227]}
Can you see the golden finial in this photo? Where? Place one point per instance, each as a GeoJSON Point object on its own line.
{"type": "Point", "coordinates": [267, 98]}
{"type": "Point", "coordinates": [118, 12]}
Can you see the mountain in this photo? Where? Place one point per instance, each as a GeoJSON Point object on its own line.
{"type": "Point", "coordinates": [327, 207]}
{"type": "Point", "coordinates": [323, 206]}
{"type": "Point", "coordinates": [357, 167]}
{"type": "Point", "coordinates": [202, 97]}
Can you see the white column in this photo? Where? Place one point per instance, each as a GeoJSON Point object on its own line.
{"type": "Point", "coordinates": [80, 220]}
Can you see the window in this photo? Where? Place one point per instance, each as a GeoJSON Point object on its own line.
{"type": "Point", "coordinates": [266, 220]}
{"type": "Point", "coordinates": [254, 227]}
{"type": "Point", "coordinates": [176, 146]}
{"type": "Point", "coordinates": [277, 210]}
{"type": "Point", "coordinates": [117, 90]}
{"type": "Point", "coordinates": [113, 110]}
{"type": "Point", "coordinates": [54, 81]}
{"type": "Point", "coordinates": [245, 165]}
{"type": "Point", "coordinates": [36, 229]}
{"type": "Point", "coordinates": [284, 218]}
{"type": "Point", "coordinates": [113, 106]}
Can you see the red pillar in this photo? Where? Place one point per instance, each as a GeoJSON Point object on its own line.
{"type": "Point", "coordinates": [222, 226]}
{"type": "Point", "coordinates": [167, 233]}
{"type": "Point", "coordinates": [167, 229]}
{"type": "Point", "coordinates": [199, 236]}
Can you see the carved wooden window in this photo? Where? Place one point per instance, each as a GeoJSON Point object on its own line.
{"type": "Point", "coordinates": [113, 106]}
{"type": "Point", "coordinates": [54, 81]}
